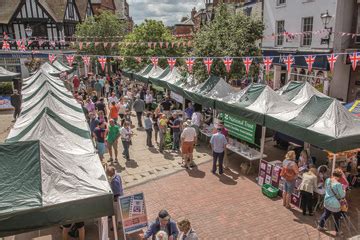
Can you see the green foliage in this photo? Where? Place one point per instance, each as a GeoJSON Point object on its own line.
{"type": "Point", "coordinates": [103, 28]}
{"type": "Point", "coordinates": [6, 88]}
{"type": "Point", "coordinates": [227, 35]}
{"type": "Point", "coordinates": [136, 45]}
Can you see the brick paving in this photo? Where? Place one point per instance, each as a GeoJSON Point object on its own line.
{"type": "Point", "coordinates": [228, 207]}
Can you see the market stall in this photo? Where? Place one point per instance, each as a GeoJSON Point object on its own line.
{"type": "Point", "coordinates": [50, 178]}
{"type": "Point", "coordinates": [6, 75]}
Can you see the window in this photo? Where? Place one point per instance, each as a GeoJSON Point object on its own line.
{"type": "Point", "coordinates": [307, 28]}
{"type": "Point", "coordinates": [280, 29]}
{"type": "Point", "coordinates": [280, 2]}
{"type": "Point", "coordinates": [357, 39]}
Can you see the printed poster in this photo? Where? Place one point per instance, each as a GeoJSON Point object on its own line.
{"type": "Point", "coordinates": [263, 165]}
{"type": "Point", "coordinates": [5, 103]}
{"type": "Point", "coordinates": [133, 212]}
{"type": "Point", "coordinates": [261, 181]}
{"type": "Point", "coordinates": [268, 169]}
{"type": "Point", "coordinates": [275, 175]}
{"type": "Point", "coordinates": [268, 179]}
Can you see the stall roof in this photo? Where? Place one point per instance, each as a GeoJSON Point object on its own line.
{"type": "Point", "coordinates": [299, 92]}
{"type": "Point", "coordinates": [144, 71]}
{"type": "Point", "coordinates": [51, 173]}
{"type": "Point", "coordinates": [6, 75]}
{"type": "Point", "coordinates": [321, 121]}
{"type": "Point", "coordinates": [62, 67]}
{"type": "Point", "coordinates": [254, 102]}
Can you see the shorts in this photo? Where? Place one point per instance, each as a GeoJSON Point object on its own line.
{"type": "Point", "coordinates": [112, 144]}
{"type": "Point", "coordinates": [289, 187]}
{"type": "Point", "coordinates": [77, 225]}
{"type": "Point", "coordinates": [187, 147]}
{"type": "Point", "coordinates": [100, 148]}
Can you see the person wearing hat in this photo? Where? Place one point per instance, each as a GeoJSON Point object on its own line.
{"type": "Point", "coordinates": [162, 223]}
{"type": "Point", "coordinates": [188, 140]}
{"type": "Point", "coordinates": [15, 100]}
{"type": "Point", "coordinates": [218, 144]}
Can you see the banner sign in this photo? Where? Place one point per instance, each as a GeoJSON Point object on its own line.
{"type": "Point", "coordinates": [240, 128]}
{"type": "Point", "coordinates": [5, 103]}
{"type": "Point", "coordinates": [133, 212]}
{"type": "Point", "coordinates": [177, 97]}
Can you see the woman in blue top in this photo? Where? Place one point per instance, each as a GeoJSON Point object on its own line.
{"type": "Point", "coordinates": [333, 193]}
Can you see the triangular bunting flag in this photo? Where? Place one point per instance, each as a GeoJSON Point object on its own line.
{"type": "Point", "coordinates": [80, 45]}
{"type": "Point", "coordinates": [86, 60]}
{"type": "Point", "coordinates": [70, 59]}
{"type": "Point", "coordinates": [52, 58]}
{"type": "Point", "coordinates": [6, 45]}
{"type": "Point", "coordinates": [102, 61]}
{"type": "Point", "coordinates": [354, 58]}
{"type": "Point", "coordinates": [171, 62]}
{"type": "Point", "coordinates": [190, 63]}
{"type": "Point", "coordinates": [247, 62]}
{"type": "Point", "coordinates": [267, 62]}
{"type": "Point", "coordinates": [310, 61]}
{"type": "Point", "coordinates": [228, 61]}
{"type": "Point", "coordinates": [332, 60]}
{"type": "Point", "coordinates": [155, 61]}
{"type": "Point", "coordinates": [289, 60]}
{"type": "Point", "coordinates": [208, 62]}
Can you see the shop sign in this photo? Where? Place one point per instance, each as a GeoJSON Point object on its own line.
{"type": "Point", "coordinates": [240, 128]}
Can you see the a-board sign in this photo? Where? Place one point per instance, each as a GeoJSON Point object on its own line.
{"type": "Point", "coordinates": [133, 212]}
{"type": "Point", "coordinates": [239, 127]}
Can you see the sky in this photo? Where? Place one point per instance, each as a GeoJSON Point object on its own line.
{"type": "Point", "coordinates": [169, 11]}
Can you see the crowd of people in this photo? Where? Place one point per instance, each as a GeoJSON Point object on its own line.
{"type": "Point", "coordinates": [314, 181]}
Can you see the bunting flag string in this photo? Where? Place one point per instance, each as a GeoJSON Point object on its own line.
{"type": "Point", "coordinates": [171, 62]}
{"type": "Point", "coordinates": [102, 61]}
{"type": "Point", "coordinates": [310, 60]}
{"type": "Point", "coordinates": [332, 59]}
{"type": "Point", "coordinates": [6, 45]}
{"type": "Point", "coordinates": [208, 62]}
{"type": "Point", "coordinates": [18, 43]}
{"type": "Point", "coordinates": [267, 62]}
{"type": "Point", "coordinates": [52, 58]}
{"type": "Point", "coordinates": [155, 61]}
{"type": "Point", "coordinates": [70, 59]}
{"type": "Point", "coordinates": [289, 60]}
{"type": "Point", "coordinates": [53, 44]}
{"type": "Point", "coordinates": [354, 58]}
{"type": "Point", "coordinates": [247, 62]}
{"type": "Point", "coordinates": [190, 63]}
{"type": "Point", "coordinates": [228, 62]}
{"type": "Point", "coordinates": [86, 60]}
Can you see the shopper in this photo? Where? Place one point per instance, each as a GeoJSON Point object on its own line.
{"type": "Point", "coordinates": [187, 233]}
{"type": "Point", "coordinates": [115, 183]}
{"type": "Point", "coordinates": [148, 128]}
{"type": "Point", "coordinates": [99, 135]}
{"type": "Point", "coordinates": [162, 223]}
{"type": "Point", "coordinates": [333, 195]}
{"type": "Point", "coordinates": [162, 131]}
{"type": "Point", "coordinates": [113, 134]}
{"type": "Point", "coordinates": [304, 161]}
{"type": "Point", "coordinates": [196, 121]}
{"type": "Point", "coordinates": [155, 118]}
{"type": "Point", "coordinates": [94, 122]}
{"type": "Point", "coordinates": [114, 112]}
{"type": "Point", "coordinates": [148, 100]}
{"type": "Point", "coordinates": [100, 106]}
{"type": "Point", "coordinates": [188, 140]}
{"type": "Point", "coordinates": [126, 135]}
{"type": "Point", "coordinates": [289, 174]}
{"type": "Point", "coordinates": [176, 132]}
{"type": "Point", "coordinates": [218, 144]}
{"type": "Point", "coordinates": [15, 101]}
{"type": "Point", "coordinates": [225, 132]}
{"type": "Point", "coordinates": [307, 187]}
{"type": "Point", "coordinates": [113, 98]}
{"type": "Point", "coordinates": [90, 106]}
{"type": "Point", "coordinates": [139, 107]}
{"type": "Point", "coordinates": [166, 106]}
{"type": "Point", "coordinates": [189, 110]}
{"type": "Point", "coordinates": [98, 88]}
{"type": "Point", "coordinates": [122, 110]}
{"type": "Point", "coordinates": [76, 83]}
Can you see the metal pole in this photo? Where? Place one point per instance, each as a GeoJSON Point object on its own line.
{"type": "Point", "coordinates": [262, 142]}
{"type": "Point", "coordinates": [214, 116]}
{"type": "Point", "coordinates": [333, 163]}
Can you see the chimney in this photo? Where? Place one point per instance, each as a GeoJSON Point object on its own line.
{"type": "Point", "coordinates": [193, 12]}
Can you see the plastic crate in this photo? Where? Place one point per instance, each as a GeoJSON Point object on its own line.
{"type": "Point", "coordinates": [270, 191]}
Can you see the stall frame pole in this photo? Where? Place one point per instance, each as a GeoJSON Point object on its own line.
{"type": "Point", "coordinates": [333, 164]}
{"type": "Point", "coordinates": [214, 116]}
{"type": "Point", "coordinates": [262, 142]}
{"type": "Point", "coordinates": [183, 106]}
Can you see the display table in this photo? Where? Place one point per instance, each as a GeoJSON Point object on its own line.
{"type": "Point", "coordinates": [207, 132]}
{"type": "Point", "coordinates": [251, 155]}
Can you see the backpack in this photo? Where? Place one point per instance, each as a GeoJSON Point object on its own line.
{"type": "Point", "coordinates": [288, 173]}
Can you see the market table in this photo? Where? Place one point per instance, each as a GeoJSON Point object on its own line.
{"type": "Point", "coordinates": [251, 156]}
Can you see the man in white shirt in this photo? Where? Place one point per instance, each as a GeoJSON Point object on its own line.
{"type": "Point", "coordinates": [113, 98]}
{"type": "Point", "coordinates": [148, 100]}
{"type": "Point", "coordinates": [188, 140]}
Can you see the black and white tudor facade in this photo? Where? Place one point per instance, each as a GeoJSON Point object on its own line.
{"type": "Point", "coordinates": [49, 20]}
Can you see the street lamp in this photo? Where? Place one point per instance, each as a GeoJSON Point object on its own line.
{"type": "Point", "coordinates": [326, 18]}
{"type": "Point", "coordinates": [28, 31]}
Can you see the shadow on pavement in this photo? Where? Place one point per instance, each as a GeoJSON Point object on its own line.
{"type": "Point", "coordinates": [153, 150]}
{"type": "Point", "coordinates": [131, 164]}
{"type": "Point", "coordinates": [168, 156]}
{"type": "Point", "coordinates": [196, 173]}
{"type": "Point", "coordinates": [232, 174]}
{"type": "Point", "coordinates": [226, 179]}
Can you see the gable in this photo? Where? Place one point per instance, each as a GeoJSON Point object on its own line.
{"type": "Point", "coordinates": [31, 9]}
{"type": "Point", "coordinates": [71, 13]}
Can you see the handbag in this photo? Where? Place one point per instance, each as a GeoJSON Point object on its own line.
{"type": "Point", "coordinates": [344, 207]}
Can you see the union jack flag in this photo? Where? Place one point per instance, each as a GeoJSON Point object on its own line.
{"type": "Point", "coordinates": [70, 59]}
{"type": "Point", "coordinates": [6, 45]}
{"type": "Point", "coordinates": [102, 61]}
{"type": "Point", "coordinates": [171, 62]}
{"type": "Point", "coordinates": [208, 62]}
{"type": "Point", "coordinates": [190, 63]}
{"type": "Point", "coordinates": [155, 61]}
{"type": "Point", "coordinates": [52, 58]}
{"type": "Point", "coordinates": [86, 60]}
{"type": "Point", "coordinates": [228, 62]}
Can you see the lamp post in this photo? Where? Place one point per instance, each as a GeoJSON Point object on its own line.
{"type": "Point", "coordinates": [326, 18]}
{"type": "Point", "coordinates": [28, 31]}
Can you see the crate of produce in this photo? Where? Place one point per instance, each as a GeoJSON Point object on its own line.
{"type": "Point", "coordinates": [270, 191]}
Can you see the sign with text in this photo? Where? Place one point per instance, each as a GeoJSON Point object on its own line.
{"type": "Point", "coordinates": [133, 212]}
{"type": "Point", "coordinates": [240, 128]}
{"type": "Point", "coordinates": [5, 103]}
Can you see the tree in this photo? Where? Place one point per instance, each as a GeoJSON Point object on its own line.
{"type": "Point", "coordinates": [135, 45]}
{"type": "Point", "coordinates": [227, 35]}
{"type": "Point", "coordinates": [102, 28]}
